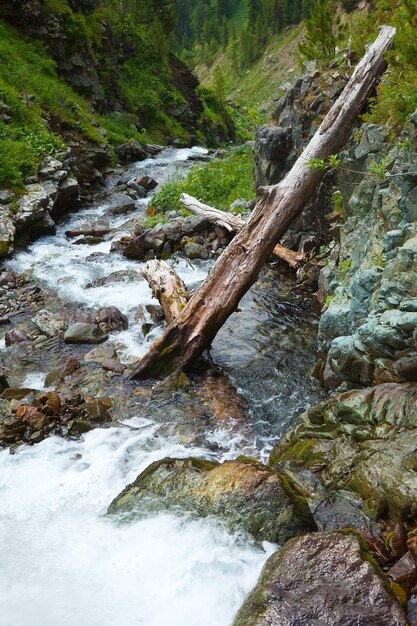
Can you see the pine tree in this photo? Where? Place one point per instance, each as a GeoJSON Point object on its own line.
{"type": "Point", "coordinates": [321, 32]}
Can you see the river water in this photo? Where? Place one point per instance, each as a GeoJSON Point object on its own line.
{"type": "Point", "coordinates": [63, 562]}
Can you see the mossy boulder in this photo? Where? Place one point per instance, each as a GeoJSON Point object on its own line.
{"type": "Point", "coordinates": [244, 494]}
{"type": "Point", "coordinates": [321, 578]}
{"type": "Point", "coordinates": [363, 441]}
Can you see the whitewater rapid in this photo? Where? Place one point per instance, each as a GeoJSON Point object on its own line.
{"type": "Point", "coordinates": [63, 562]}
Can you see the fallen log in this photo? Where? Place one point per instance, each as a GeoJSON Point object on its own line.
{"type": "Point", "coordinates": [167, 287]}
{"type": "Point", "coordinates": [229, 221]}
{"type": "Point", "coordinates": [238, 267]}
{"type": "Point", "coordinates": [89, 232]}
{"type": "Point", "coordinates": [233, 223]}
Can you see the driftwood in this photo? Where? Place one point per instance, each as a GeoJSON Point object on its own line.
{"type": "Point", "coordinates": [91, 232]}
{"type": "Point", "coordinates": [229, 221]}
{"type": "Point", "coordinates": [167, 287]}
{"type": "Point", "coordinates": [238, 267]}
{"type": "Point", "coordinates": [233, 223]}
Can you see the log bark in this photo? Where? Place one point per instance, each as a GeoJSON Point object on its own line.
{"type": "Point", "coordinates": [233, 223]}
{"type": "Point", "coordinates": [294, 259]}
{"type": "Point", "coordinates": [238, 267]}
{"type": "Point", "coordinates": [167, 287]}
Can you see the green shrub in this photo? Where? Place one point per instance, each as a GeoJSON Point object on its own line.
{"type": "Point", "coordinates": [218, 183]}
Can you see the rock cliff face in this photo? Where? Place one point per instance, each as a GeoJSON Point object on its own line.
{"type": "Point", "coordinates": [368, 333]}
{"type": "Point", "coordinates": [76, 64]}
{"type": "Point", "coordinates": [365, 213]}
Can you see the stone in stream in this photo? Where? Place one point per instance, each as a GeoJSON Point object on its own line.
{"type": "Point", "coordinates": [147, 182]}
{"type": "Point", "coordinates": [110, 318]}
{"type": "Point", "coordinates": [69, 367]}
{"type": "Point", "coordinates": [50, 324]}
{"type": "Point", "coordinates": [243, 494]}
{"type": "Point", "coordinates": [15, 336]}
{"type": "Point", "coordinates": [84, 333]}
{"type": "Point", "coordinates": [131, 151]}
{"type": "Point", "coordinates": [327, 579]}
{"type": "Point", "coordinates": [100, 354]}
{"type": "Point", "coordinates": [119, 203]}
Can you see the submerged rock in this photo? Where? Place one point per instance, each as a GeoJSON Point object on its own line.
{"type": "Point", "coordinates": [244, 494]}
{"type": "Point", "coordinates": [324, 579]}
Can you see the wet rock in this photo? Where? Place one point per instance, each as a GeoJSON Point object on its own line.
{"type": "Point", "coordinates": [110, 319]}
{"type": "Point", "coordinates": [50, 403]}
{"type": "Point", "coordinates": [321, 579]}
{"type": "Point", "coordinates": [363, 441]}
{"type": "Point", "coordinates": [404, 572]}
{"type": "Point", "coordinates": [79, 426]}
{"type": "Point", "coordinates": [3, 381]}
{"type": "Point", "coordinates": [67, 197]}
{"type": "Point", "coordinates": [156, 312]}
{"type": "Point", "coordinates": [243, 494]}
{"type": "Point", "coordinates": [195, 251]}
{"type": "Point", "coordinates": [11, 428]}
{"type": "Point", "coordinates": [69, 367]}
{"type": "Point", "coordinates": [50, 324]}
{"type": "Point", "coordinates": [32, 417]}
{"type": "Point", "coordinates": [131, 151]}
{"type": "Point", "coordinates": [100, 354]}
{"type": "Point", "coordinates": [120, 204]}
{"type": "Point", "coordinates": [13, 393]}
{"type": "Point", "coordinates": [98, 410]}
{"type": "Point", "coordinates": [407, 367]}
{"type": "Point", "coordinates": [120, 276]}
{"type": "Point", "coordinates": [175, 382]}
{"type": "Point", "coordinates": [147, 182]}
{"type": "Point", "coordinates": [84, 333]}
{"type": "Point", "coordinates": [14, 336]}
{"type": "Point", "coordinates": [7, 279]}
{"type": "Point", "coordinates": [113, 365]}
{"type": "Point", "coordinates": [7, 233]}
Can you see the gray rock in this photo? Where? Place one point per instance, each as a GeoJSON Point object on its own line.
{"type": "Point", "coordinates": [50, 324]}
{"type": "Point", "coordinates": [84, 333]}
{"type": "Point", "coordinates": [131, 151]}
{"type": "Point", "coordinates": [119, 203]}
{"type": "Point", "coordinates": [7, 233]}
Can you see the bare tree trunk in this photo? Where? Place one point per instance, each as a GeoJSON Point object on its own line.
{"type": "Point", "coordinates": [233, 223]}
{"type": "Point", "coordinates": [238, 267]}
{"type": "Point", "coordinates": [167, 287]}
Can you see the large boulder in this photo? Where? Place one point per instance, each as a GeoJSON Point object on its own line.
{"type": "Point", "coordinates": [243, 494]}
{"type": "Point", "coordinates": [323, 579]}
{"type": "Point", "coordinates": [363, 441]}
{"type": "Point", "coordinates": [131, 151]}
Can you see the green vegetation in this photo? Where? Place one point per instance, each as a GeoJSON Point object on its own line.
{"type": "Point", "coordinates": [323, 31]}
{"type": "Point", "coordinates": [30, 95]}
{"type": "Point", "coordinates": [218, 183]}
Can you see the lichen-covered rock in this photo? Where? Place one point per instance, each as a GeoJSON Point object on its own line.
{"type": "Point", "coordinates": [372, 313]}
{"type": "Point", "coordinates": [243, 494]}
{"type": "Point", "coordinates": [324, 579]}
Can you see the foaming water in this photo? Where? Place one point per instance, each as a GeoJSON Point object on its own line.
{"type": "Point", "coordinates": [64, 562]}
